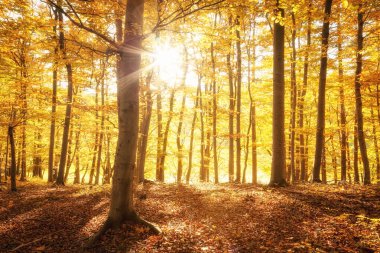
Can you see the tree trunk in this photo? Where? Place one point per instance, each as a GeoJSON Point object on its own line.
{"type": "Point", "coordinates": [358, 98]}
{"type": "Point", "coordinates": [122, 207]}
{"type": "Point", "coordinates": [188, 174]}
{"type": "Point", "coordinates": [77, 156]}
{"type": "Point", "coordinates": [70, 155]}
{"type": "Point", "coordinates": [159, 138]}
{"type": "Point", "coordinates": [166, 136]}
{"type": "Point", "coordinates": [343, 123]}
{"type": "Point", "coordinates": [301, 103]}
{"type": "Point", "coordinates": [180, 123]}
{"type": "Point", "coordinates": [278, 124]}
{"type": "Point", "coordinates": [145, 130]}
{"type": "Point", "coordinates": [293, 101]}
{"type": "Point", "coordinates": [202, 172]}
{"type": "Point", "coordinates": [66, 129]}
{"type": "Point", "coordinates": [238, 102]}
{"type": "Point", "coordinates": [13, 157]}
{"type": "Point", "coordinates": [96, 143]}
{"type": "Point", "coordinates": [101, 134]}
{"type": "Point", "coordinates": [356, 156]}
{"type": "Point", "coordinates": [214, 116]}
{"type": "Point", "coordinates": [319, 142]}
{"type": "Point", "coordinates": [53, 104]}
{"type": "Point", "coordinates": [231, 121]}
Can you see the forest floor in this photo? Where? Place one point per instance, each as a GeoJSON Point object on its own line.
{"type": "Point", "coordinates": [202, 218]}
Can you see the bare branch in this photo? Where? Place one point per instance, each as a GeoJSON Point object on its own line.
{"type": "Point", "coordinates": [81, 25]}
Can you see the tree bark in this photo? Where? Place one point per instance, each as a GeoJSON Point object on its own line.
{"type": "Point", "coordinates": [358, 98]}
{"type": "Point", "coordinates": [188, 174]}
{"type": "Point", "coordinates": [238, 102]}
{"type": "Point", "coordinates": [145, 130]}
{"type": "Point", "coordinates": [278, 124]}
{"type": "Point", "coordinates": [214, 115]}
{"type": "Point", "coordinates": [319, 142]}
{"type": "Point", "coordinates": [66, 129]}
{"type": "Point", "coordinates": [301, 103]}
{"type": "Point", "coordinates": [13, 157]}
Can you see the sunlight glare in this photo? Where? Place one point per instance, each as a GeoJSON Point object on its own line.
{"type": "Point", "coordinates": [169, 62]}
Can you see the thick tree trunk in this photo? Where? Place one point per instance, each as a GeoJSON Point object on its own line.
{"type": "Point", "coordinates": [358, 98]}
{"type": "Point", "coordinates": [278, 124]}
{"type": "Point", "coordinates": [122, 207]}
{"type": "Point", "coordinates": [319, 142]}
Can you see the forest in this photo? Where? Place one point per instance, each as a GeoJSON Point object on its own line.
{"type": "Point", "coordinates": [189, 126]}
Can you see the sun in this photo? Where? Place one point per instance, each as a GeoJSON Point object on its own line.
{"type": "Point", "coordinates": [168, 60]}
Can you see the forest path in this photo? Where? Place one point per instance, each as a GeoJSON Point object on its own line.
{"type": "Point", "coordinates": [201, 218]}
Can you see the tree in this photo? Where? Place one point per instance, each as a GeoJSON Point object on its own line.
{"type": "Point", "coordinates": [66, 130]}
{"type": "Point", "coordinates": [358, 96]}
{"type": "Point", "coordinates": [278, 133]}
{"type": "Point", "coordinates": [319, 142]}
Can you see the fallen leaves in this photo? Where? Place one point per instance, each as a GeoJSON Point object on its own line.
{"type": "Point", "coordinates": [205, 218]}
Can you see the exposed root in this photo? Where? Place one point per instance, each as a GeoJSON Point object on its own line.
{"type": "Point", "coordinates": [108, 224]}
{"type": "Point", "coordinates": [154, 228]}
{"type": "Point", "coordinates": [93, 239]}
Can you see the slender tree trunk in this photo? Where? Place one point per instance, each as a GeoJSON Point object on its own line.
{"type": "Point", "coordinates": [301, 103]}
{"type": "Point", "coordinates": [62, 163]}
{"type": "Point", "coordinates": [358, 98]}
{"type": "Point", "coordinates": [343, 127]}
{"type": "Point", "coordinates": [231, 121]}
{"type": "Point", "coordinates": [101, 134]}
{"type": "Point", "coordinates": [77, 156]}
{"type": "Point", "coordinates": [238, 102]}
{"type": "Point", "coordinates": [278, 127]}
{"type": "Point", "coordinates": [166, 136]}
{"type": "Point", "coordinates": [214, 116]}
{"type": "Point", "coordinates": [356, 156]}
{"type": "Point", "coordinates": [13, 157]}
{"type": "Point", "coordinates": [6, 171]}
{"type": "Point", "coordinates": [323, 165]}
{"type": "Point", "coordinates": [188, 174]}
{"type": "Point", "coordinates": [319, 142]}
{"type": "Point", "coordinates": [53, 104]}
{"type": "Point", "coordinates": [70, 155]}
{"type": "Point", "coordinates": [145, 129]}
{"type": "Point", "coordinates": [180, 123]}
{"type": "Point", "coordinates": [24, 109]}
{"type": "Point", "coordinates": [96, 143]}
{"type": "Point", "coordinates": [159, 138]}
{"type": "Point", "coordinates": [293, 101]}
{"type": "Point", "coordinates": [376, 145]}
{"type": "Point", "coordinates": [202, 172]}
